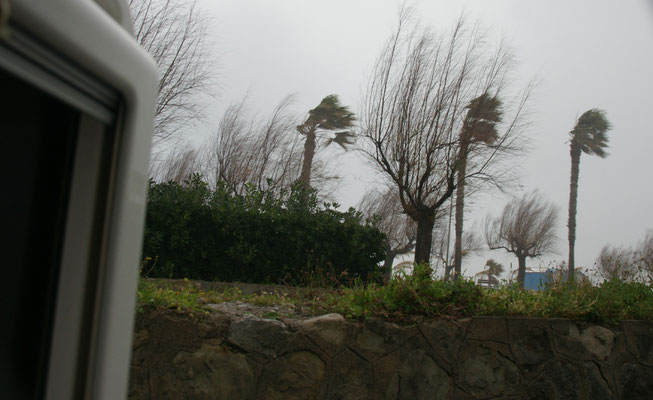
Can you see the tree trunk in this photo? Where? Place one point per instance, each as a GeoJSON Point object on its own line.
{"type": "Point", "coordinates": [460, 208]}
{"type": "Point", "coordinates": [573, 199]}
{"type": "Point", "coordinates": [387, 264]}
{"type": "Point", "coordinates": [307, 164]}
{"type": "Point", "coordinates": [521, 272]}
{"type": "Point", "coordinates": [447, 272]}
{"type": "Point", "coordinates": [423, 242]}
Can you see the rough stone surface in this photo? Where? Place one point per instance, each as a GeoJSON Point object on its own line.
{"type": "Point", "coordinates": [255, 335]}
{"type": "Point", "coordinates": [560, 381]}
{"type": "Point", "coordinates": [214, 372]}
{"type": "Point", "coordinates": [328, 331]}
{"type": "Point", "coordinates": [639, 339]}
{"type": "Point", "coordinates": [636, 381]}
{"type": "Point", "coordinates": [411, 372]}
{"type": "Point", "coordinates": [485, 372]}
{"type": "Point", "coordinates": [233, 354]}
{"type": "Point", "coordinates": [598, 341]}
{"type": "Point", "coordinates": [530, 344]}
{"type": "Point", "coordinates": [418, 377]}
{"type": "Point", "coordinates": [350, 378]}
{"type": "Point", "coordinates": [296, 375]}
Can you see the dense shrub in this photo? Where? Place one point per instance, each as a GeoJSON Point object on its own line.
{"type": "Point", "coordinates": [260, 237]}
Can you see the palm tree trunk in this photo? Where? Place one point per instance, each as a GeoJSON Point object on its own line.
{"type": "Point", "coordinates": [307, 164]}
{"type": "Point", "coordinates": [460, 208]}
{"type": "Point", "coordinates": [423, 242]}
{"type": "Point", "coordinates": [521, 272]}
{"type": "Point", "coordinates": [573, 199]}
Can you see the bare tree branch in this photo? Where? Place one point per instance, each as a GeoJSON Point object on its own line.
{"type": "Point", "coordinates": [526, 228]}
{"type": "Point", "coordinates": [263, 151]}
{"type": "Point", "coordinates": [399, 229]}
{"type": "Point", "coordinates": [174, 33]}
{"type": "Point", "coordinates": [414, 108]}
{"type": "Point", "coordinates": [617, 263]}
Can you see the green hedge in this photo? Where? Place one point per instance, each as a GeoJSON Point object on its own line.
{"type": "Point", "coordinates": [259, 237]}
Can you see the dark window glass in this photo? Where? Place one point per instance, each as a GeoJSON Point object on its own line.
{"type": "Point", "coordinates": [37, 144]}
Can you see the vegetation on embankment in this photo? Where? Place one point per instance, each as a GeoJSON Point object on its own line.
{"type": "Point", "coordinates": [408, 296]}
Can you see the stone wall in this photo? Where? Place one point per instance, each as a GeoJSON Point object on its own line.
{"type": "Point", "coordinates": [228, 356]}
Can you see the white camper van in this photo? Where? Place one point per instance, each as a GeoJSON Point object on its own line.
{"type": "Point", "coordinates": [76, 107]}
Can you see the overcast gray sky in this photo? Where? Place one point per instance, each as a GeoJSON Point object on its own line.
{"type": "Point", "coordinates": [585, 54]}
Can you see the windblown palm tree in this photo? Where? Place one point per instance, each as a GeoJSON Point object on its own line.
{"type": "Point", "coordinates": [329, 115]}
{"type": "Point", "coordinates": [589, 136]}
{"type": "Point", "coordinates": [483, 114]}
{"type": "Point", "coordinates": [494, 269]}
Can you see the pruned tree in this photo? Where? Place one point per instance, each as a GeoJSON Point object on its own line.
{"type": "Point", "coordinates": [589, 136]}
{"type": "Point", "coordinates": [174, 33]}
{"type": "Point", "coordinates": [262, 151]}
{"type": "Point", "coordinates": [526, 228]}
{"type": "Point", "coordinates": [617, 263]}
{"type": "Point", "coordinates": [414, 109]}
{"type": "Point", "coordinates": [399, 229]}
{"type": "Point", "coordinates": [328, 117]}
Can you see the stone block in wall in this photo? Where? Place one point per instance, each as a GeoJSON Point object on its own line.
{"type": "Point", "coordinates": [531, 344]}
{"type": "Point", "coordinates": [330, 332]}
{"type": "Point", "coordinates": [597, 386]}
{"type": "Point", "coordinates": [260, 336]}
{"type": "Point", "coordinates": [598, 341]}
{"type": "Point", "coordinates": [375, 338]}
{"type": "Point", "coordinates": [566, 339]}
{"type": "Point", "coordinates": [211, 372]}
{"type": "Point", "coordinates": [639, 340]}
{"type": "Point", "coordinates": [350, 377]}
{"type": "Point", "coordinates": [636, 381]}
{"type": "Point", "coordinates": [445, 337]}
{"type": "Point", "coordinates": [561, 380]}
{"type": "Point", "coordinates": [488, 328]}
{"type": "Point", "coordinates": [294, 375]}
{"type": "Point", "coordinates": [484, 370]}
{"type": "Point", "coordinates": [411, 372]}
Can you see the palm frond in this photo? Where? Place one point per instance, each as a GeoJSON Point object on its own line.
{"type": "Point", "coordinates": [590, 132]}
{"type": "Point", "coordinates": [343, 139]}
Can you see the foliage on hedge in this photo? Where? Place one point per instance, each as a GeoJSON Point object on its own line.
{"type": "Point", "coordinates": [258, 237]}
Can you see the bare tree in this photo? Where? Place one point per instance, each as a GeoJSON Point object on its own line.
{"type": "Point", "coordinates": [644, 256]}
{"type": "Point", "coordinates": [174, 33]}
{"type": "Point", "coordinates": [471, 243]}
{"type": "Point", "coordinates": [181, 163]}
{"type": "Point", "coordinates": [526, 228]}
{"type": "Point", "coordinates": [414, 108]}
{"type": "Point", "coordinates": [626, 263]}
{"type": "Point", "coordinates": [399, 229]}
{"type": "Point", "coordinates": [617, 263]}
{"type": "Point", "coordinates": [262, 151]}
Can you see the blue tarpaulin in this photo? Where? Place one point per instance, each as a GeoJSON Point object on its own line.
{"type": "Point", "coordinates": [535, 280]}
